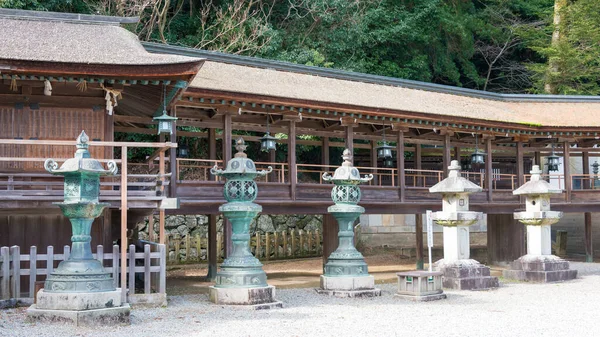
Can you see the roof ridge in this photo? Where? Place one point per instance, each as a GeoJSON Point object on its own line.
{"type": "Point", "coordinates": [361, 77]}
{"type": "Point", "coordinates": [21, 14]}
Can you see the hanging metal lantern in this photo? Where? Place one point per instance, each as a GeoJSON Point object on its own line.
{"type": "Point", "coordinates": [268, 142]}
{"type": "Point", "coordinates": [553, 160]}
{"type": "Point", "coordinates": [385, 150]}
{"type": "Point", "coordinates": [595, 166]}
{"type": "Point", "coordinates": [184, 151]}
{"type": "Point", "coordinates": [165, 122]}
{"type": "Point", "coordinates": [388, 162]}
{"type": "Point", "coordinates": [477, 157]}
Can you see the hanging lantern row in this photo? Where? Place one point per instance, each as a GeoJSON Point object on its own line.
{"type": "Point", "coordinates": [267, 142]}
{"type": "Point", "coordinates": [385, 151]}
{"type": "Point", "coordinates": [477, 157]}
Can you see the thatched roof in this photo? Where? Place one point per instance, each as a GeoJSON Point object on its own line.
{"type": "Point", "coordinates": [250, 80]}
{"type": "Point", "coordinates": [79, 43]}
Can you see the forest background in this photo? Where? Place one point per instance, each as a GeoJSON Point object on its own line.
{"type": "Point", "coordinates": [509, 46]}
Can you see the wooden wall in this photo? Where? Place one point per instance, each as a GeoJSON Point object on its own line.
{"type": "Point", "coordinates": [49, 230]}
{"type": "Point", "coordinates": [47, 123]}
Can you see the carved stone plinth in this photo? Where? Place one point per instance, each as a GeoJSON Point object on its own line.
{"type": "Point", "coordinates": [466, 275]}
{"type": "Point", "coordinates": [98, 308]}
{"type": "Point", "coordinates": [420, 285]}
{"type": "Point", "coordinates": [540, 269]}
{"type": "Point", "coordinates": [252, 298]}
{"type": "Point", "coordinates": [349, 286]}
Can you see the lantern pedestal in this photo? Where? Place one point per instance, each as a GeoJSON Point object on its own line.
{"type": "Point", "coordinates": [256, 298]}
{"type": "Point", "coordinates": [539, 265]}
{"type": "Point", "coordinates": [346, 272]}
{"type": "Point", "coordinates": [420, 286]}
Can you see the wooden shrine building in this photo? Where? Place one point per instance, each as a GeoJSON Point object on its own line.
{"type": "Point", "coordinates": [96, 66]}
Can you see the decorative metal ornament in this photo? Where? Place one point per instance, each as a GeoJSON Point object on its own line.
{"type": "Point", "coordinates": [477, 157]}
{"type": "Point", "coordinates": [240, 269]}
{"type": "Point", "coordinates": [595, 166]}
{"type": "Point", "coordinates": [165, 122]}
{"type": "Point", "coordinates": [81, 272]}
{"type": "Point", "coordinates": [346, 260]}
{"type": "Point", "coordinates": [267, 142]}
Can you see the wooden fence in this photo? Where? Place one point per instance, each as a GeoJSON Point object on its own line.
{"type": "Point", "coordinates": [146, 271]}
{"type": "Point", "coordinates": [267, 246]}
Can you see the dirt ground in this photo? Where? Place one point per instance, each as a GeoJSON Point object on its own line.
{"type": "Point", "coordinates": [299, 273]}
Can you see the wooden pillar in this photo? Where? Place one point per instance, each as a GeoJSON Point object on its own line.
{"type": "Point", "coordinates": [505, 238]}
{"type": "Point", "coordinates": [212, 144]}
{"type": "Point", "coordinates": [124, 225]}
{"type": "Point", "coordinates": [567, 167]}
{"type": "Point", "coordinates": [400, 166]}
{"type": "Point", "coordinates": [589, 252]}
{"type": "Point", "coordinates": [173, 165]}
{"type": "Point", "coordinates": [161, 212]}
{"type": "Point", "coordinates": [330, 236]}
{"type": "Point", "coordinates": [109, 135]}
{"type": "Point", "coordinates": [488, 168]}
{"type": "Point", "coordinates": [151, 235]}
{"type": "Point", "coordinates": [520, 165]}
{"type": "Point", "coordinates": [292, 158]}
{"type": "Point", "coordinates": [418, 165]}
{"type": "Point", "coordinates": [273, 175]}
{"type": "Point", "coordinates": [419, 240]}
{"type": "Point", "coordinates": [325, 151]}
{"type": "Point", "coordinates": [457, 154]}
{"type": "Point", "coordinates": [350, 138]}
{"type": "Point", "coordinates": [227, 143]}
{"type": "Point", "coordinates": [374, 161]}
{"type": "Point", "coordinates": [212, 247]}
{"type": "Point", "coordinates": [446, 157]}
{"type": "Point", "coordinates": [589, 181]}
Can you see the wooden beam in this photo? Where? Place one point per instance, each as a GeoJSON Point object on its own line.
{"type": "Point", "coordinates": [373, 163]}
{"type": "Point", "coordinates": [173, 161]}
{"type": "Point", "coordinates": [400, 166]}
{"type": "Point", "coordinates": [585, 161]}
{"type": "Point", "coordinates": [212, 247]}
{"type": "Point", "coordinates": [520, 165]}
{"type": "Point", "coordinates": [227, 143]}
{"type": "Point", "coordinates": [212, 144]}
{"type": "Point", "coordinates": [419, 240]}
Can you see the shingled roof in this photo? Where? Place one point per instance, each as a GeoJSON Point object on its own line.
{"type": "Point", "coordinates": [73, 42]}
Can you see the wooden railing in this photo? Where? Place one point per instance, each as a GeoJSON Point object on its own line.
{"type": "Point", "coordinates": [146, 271]}
{"type": "Point", "coordinates": [199, 169]}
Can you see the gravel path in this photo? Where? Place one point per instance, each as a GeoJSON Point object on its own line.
{"type": "Point", "coordinates": [515, 309]}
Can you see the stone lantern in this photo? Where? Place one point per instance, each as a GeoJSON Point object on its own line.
{"type": "Point", "coordinates": [460, 272]}
{"type": "Point", "coordinates": [241, 280]}
{"type": "Point", "coordinates": [345, 273]}
{"type": "Point", "coordinates": [80, 290]}
{"type": "Point", "coordinates": [539, 265]}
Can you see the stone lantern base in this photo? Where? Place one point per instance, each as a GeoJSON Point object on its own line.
{"type": "Point", "coordinates": [349, 286]}
{"type": "Point", "coordinates": [466, 275]}
{"type": "Point", "coordinates": [540, 269]}
{"type": "Point", "coordinates": [420, 286]}
{"type": "Point", "coordinates": [81, 309]}
{"type": "Point", "coordinates": [256, 298]}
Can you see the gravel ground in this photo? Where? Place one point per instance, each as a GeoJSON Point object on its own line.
{"type": "Point", "coordinates": [515, 309]}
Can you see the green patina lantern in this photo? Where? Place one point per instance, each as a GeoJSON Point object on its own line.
{"type": "Point", "coordinates": [240, 269]}
{"type": "Point", "coordinates": [81, 272]}
{"type": "Point", "coordinates": [346, 260]}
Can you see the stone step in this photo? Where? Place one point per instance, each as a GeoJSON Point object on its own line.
{"type": "Point", "coordinates": [464, 272]}
{"type": "Point", "coordinates": [471, 283]}
{"type": "Point", "coordinates": [541, 276]}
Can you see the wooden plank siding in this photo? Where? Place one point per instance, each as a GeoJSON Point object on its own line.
{"type": "Point", "coordinates": [47, 124]}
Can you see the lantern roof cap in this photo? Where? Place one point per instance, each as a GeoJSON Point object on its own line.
{"type": "Point", "coordinates": [347, 172]}
{"type": "Point", "coordinates": [240, 165]}
{"type": "Point", "coordinates": [536, 185]}
{"type": "Point", "coordinates": [81, 161]}
{"type": "Point", "coordinates": [454, 183]}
